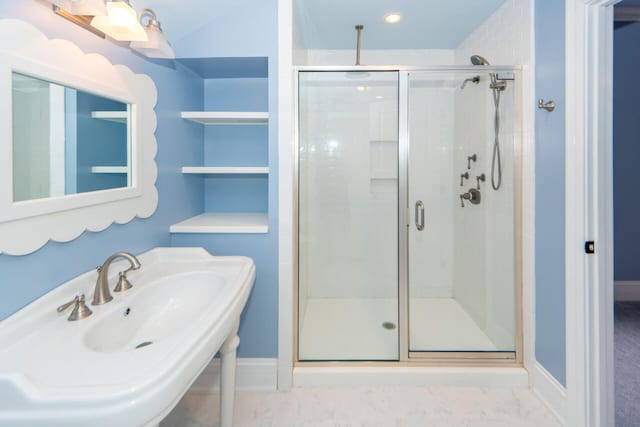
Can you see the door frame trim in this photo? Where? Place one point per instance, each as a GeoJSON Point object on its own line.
{"type": "Point", "coordinates": [589, 212]}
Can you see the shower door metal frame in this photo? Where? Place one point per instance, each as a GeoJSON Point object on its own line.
{"type": "Point", "coordinates": [490, 358]}
{"type": "Point", "coordinates": [406, 357]}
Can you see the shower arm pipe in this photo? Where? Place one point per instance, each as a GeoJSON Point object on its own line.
{"type": "Point", "coordinates": [359, 29]}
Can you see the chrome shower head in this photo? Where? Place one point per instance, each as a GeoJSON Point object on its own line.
{"type": "Point", "coordinates": [479, 60]}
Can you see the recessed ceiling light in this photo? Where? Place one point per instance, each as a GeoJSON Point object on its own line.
{"type": "Point", "coordinates": [392, 18]}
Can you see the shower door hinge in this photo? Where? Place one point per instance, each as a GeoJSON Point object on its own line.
{"type": "Point", "coordinates": [590, 247]}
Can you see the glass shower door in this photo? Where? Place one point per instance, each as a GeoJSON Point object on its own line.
{"type": "Point", "coordinates": [348, 216]}
{"type": "Point", "coordinates": [461, 242]}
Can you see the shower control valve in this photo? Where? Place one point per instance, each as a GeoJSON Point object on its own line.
{"type": "Point", "coordinates": [463, 177]}
{"type": "Point", "coordinates": [472, 158]}
{"type": "Point", "coordinates": [474, 196]}
{"type": "Point", "coordinates": [479, 178]}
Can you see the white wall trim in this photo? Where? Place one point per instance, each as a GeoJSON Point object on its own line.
{"type": "Point", "coordinates": [551, 392]}
{"type": "Point", "coordinates": [589, 290]}
{"type": "Point", "coordinates": [627, 290]}
{"type": "Point", "coordinates": [252, 374]}
{"type": "Point", "coordinates": [286, 177]}
{"type": "Point", "coordinates": [410, 376]}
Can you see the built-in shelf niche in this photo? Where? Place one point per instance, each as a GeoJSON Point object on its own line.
{"type": "Point", "coordinates": [217, 222]}
{"type": "Point", "coordinates": [234, 71]}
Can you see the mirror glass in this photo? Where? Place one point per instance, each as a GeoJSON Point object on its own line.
{"type": "Point", "coordinates": [66, 141]}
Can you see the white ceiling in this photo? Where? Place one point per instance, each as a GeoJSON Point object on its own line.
{"type": "Point", "coordinates": [329, 24]}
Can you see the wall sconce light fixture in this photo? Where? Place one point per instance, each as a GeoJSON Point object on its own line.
{"type": "Point", "coordinates": [120, 22]}
{"type": "Point", "coordinates": [82, 7]}
{"type": "Point", "coordinates": [157, 45]}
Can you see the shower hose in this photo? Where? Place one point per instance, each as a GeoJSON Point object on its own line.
{"type": "Point", "coordinates": [495, 160]}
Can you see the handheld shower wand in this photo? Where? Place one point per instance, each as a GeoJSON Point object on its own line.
{"type": "Point", "coordinates": [496, 87]}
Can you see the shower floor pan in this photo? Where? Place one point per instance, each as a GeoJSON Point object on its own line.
{"type": "Point", "coordinates": [354, 328]}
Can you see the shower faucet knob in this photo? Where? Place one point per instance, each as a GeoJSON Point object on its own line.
{"type": "Point", "coordinates": [479, 178]}
{"type": "Point", "coordinates": [463, 177]}
{"type": "Point", "coordinates": [472, 158]}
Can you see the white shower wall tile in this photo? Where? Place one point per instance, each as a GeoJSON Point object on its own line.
{"type": "Point", "coordinates": [348, 238]}
{"type": "Point", "coordinates": [485, 239]}
{"type": "Point", "coordinates": [504, 38]}
{"type": "Point", "coordinates": [431, 143]}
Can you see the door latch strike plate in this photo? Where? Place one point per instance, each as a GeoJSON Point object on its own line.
{"type": "Point", "coordinates": [590, 247]}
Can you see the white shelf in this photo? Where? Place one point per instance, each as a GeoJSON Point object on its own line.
{"type": "Point", "coordinates": [224, 223]}
{"type": "Point", "coordinates": [225, 170]}
{"type": "Point", "coordinates": [227, 117]}
{"type": "Point", "coordinates": [109, 169]}
{"type": "Point", "coordinates": [112, 116]}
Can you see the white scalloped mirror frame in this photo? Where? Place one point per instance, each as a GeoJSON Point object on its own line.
{"type": "Point", "coordinates": [27, 226]}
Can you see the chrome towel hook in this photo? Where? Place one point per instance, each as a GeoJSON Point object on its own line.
{"type": "Point", "coordinates": [549, 106]}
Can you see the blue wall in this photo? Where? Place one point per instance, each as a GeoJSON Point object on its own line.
{"type": "Point", "coordinates": [25, 278]}
{"type": "Point", "coordinates": [237, 146]}
{"type": "Point", "coordinates": [252, 35]}
{"type": "Point", "coordinates": [550, 195]}
{"type": "Point", "coordinates": [626, 150]}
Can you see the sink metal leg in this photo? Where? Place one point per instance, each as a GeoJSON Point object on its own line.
{"type": "Point", "coordinates": [228, 377]}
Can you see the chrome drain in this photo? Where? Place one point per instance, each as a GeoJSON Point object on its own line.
{"type": "Point", "coordinates": [389, 325]}
{"type": "Point", "coordinates": [144, 344]}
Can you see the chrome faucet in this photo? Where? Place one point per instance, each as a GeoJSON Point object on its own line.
{"type": "Point", "coordinates": [101, 294]}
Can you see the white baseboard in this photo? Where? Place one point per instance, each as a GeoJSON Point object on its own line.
{"type": "Point", "coordinates": [252, 374]}
{"type": "Point", "coordinates": [551, 392]}
{"type": "Point", "coordinates": [627, 290]}
{"type": "Point", "coordinates": [409, 376]}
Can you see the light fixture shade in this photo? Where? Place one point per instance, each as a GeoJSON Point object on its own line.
{"type": "Point", "coordinates": [82, 7]}
{"type": "Point", "coordinates": [156, 47]}
{"type": "Point", "coordinates": [120, 23]}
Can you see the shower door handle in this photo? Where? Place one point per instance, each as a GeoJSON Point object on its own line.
{"type": "Point", "coordinates": [420, 215]}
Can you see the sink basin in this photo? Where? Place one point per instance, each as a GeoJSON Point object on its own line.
{"type": "Point", "coordinates": [130, 362]}
{"type": "Point", "coordinates": [164, 308]}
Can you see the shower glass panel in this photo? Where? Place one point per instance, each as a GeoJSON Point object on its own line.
{"type": "Point", "coordinates": [348, 216]}
{"type": "Point", "coordinates": [462, 262]}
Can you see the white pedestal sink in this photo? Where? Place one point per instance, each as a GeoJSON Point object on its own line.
{"type": "Point", "coordinates": [130, 362]}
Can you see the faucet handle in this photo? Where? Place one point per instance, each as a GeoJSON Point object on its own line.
{"type": "Point", "coordinates": [123, 283]}
{"type": "Point", "coordinates": [80, 309]}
